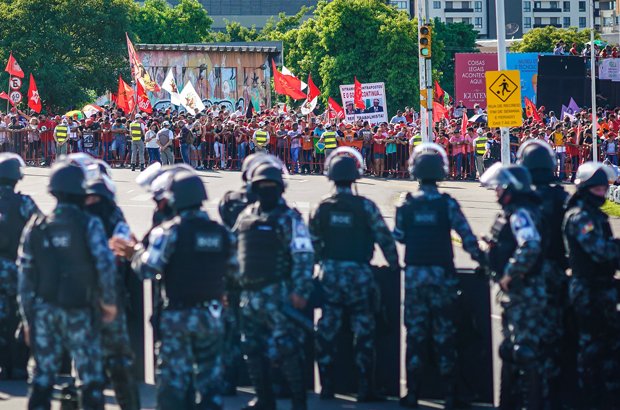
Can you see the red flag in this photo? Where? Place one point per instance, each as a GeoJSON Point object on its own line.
{"type": "Point", "coordinates": [13, 68]}
{"type": "Point", "coordinates": [125, 96]}
{"type": "Point", "coordinates": [358, 100]}
{"type": "Point", "coordinates": [439, 112]}
{"type": "Point", "coordinates": [439, 93]}
{"type": "Point", "coordinates": [287, 85]}
{"type": "Point", "coordinates": [138, 71]}
{"type": "Point", "coordinates": [4, 95]}
{"type": "Point", "coordinates": [144, 104]}
{"type": "Point", "coordinates": [34, 101]}
{"type": "Point", "coordinates": [530, 110]}
{"type": "Point", "coordinates": [464, 125]}
{"type": "Point", "coordinates": [313, 92]}
{"type": "Point", "coordinates": [334, 106]}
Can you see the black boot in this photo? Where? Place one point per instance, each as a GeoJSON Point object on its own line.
{"type": "Point", "coordinates": [452, 397]}
{"type": "Point", "coordinates": [366, 392]}
{"type": "Point", "coordinates": [133, 167]}
{"type": "Point", "coordinates": [292, 370]}
{"type": "Point", "coordinates": [327, 387]}
{"type": "Point", "coordinates": [40, 397]}
{"type": "Point", "coordinates": [411, 399]}
{"type": "Point", "coordinates": [259, 374]}
{"type": "Point", "coordinates": [141, 167]}
{"type": "Point", "coordinates": [119, 371]}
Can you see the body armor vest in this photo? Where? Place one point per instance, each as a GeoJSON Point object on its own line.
{"type": "Point", "coordinates": [346, 235]}
{"type": "Point", "coordinates": [195, 273]}
{"type": "Point", "coordinates": [552, 210]}
{"type": "Point", "coordinates": [427, 238]}
{"type": "Point", "coordinates": [11, 224]}
{"type": "Point", "coordinates": [67, 276]}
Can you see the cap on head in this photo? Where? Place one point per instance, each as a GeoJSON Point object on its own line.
{"type": "Point", "coordinates": [138, 115]}
{"type": "Point", "coordinates": [67, 179]}
{"type": "Point", "coordinates": [11, 166]}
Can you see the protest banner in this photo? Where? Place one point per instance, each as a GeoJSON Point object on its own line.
{"type": "Point", "coordinates": [470, 84]}
{"type": "Point", "coordinates": [373, 96]}
{"type": "Point", "coordinates": [609, 69]}
{"type": "Point", "coordinates": [527, 64]}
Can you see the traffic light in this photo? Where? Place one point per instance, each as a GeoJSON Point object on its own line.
{"type": "Point", "coordinates": [425, 41]}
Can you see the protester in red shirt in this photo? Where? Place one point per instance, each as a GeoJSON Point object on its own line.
{"type": "Point", "coordinates": [573, 50]}
{"type": "Point", "coordinates": [379, 150]}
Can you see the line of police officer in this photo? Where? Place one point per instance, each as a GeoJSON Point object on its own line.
{"type": "Point", "coordinates": [70, 295]}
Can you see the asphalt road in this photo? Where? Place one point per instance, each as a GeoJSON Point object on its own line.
{"type": "Point", "coordinates": [303, 192]}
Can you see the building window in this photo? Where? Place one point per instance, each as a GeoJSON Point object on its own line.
{"type": "Point", "coordinates": [449, 20]}
{"type": "Point", "coordinates": [537, 21]}
{"type": "Point", "coordinates": [537, 5]}
{"type": "Point", "coordinates": [527, 22]}
{"type": "Point", "coordinates": [478, 22]}
{"type": "Point", "coordinates": [554, 20]}
{"type": "Point", "coordinates": [582, 6]}
{"type": "Point", "coordinates": [436, 4]}
{"type": "Point", "coordinates": [449, 5]}
{"type": "Point", "coordinates": [400, 5]}
{"type": "Point", "coordinates": [554, 5]}
{"type": "Point", "coordinates": [566, 6]}
{"type": "Point", "coordinates": [466, 20]}
{"type": "Point", "coordinates": [527, 6]}
{"type": "Point", "coordinates": [478, 6]}
{"type": "Point", "coordinates": [566, 22]}
{"type": "Point", "coordinates": [465, 5]}
{"type": "Point", "coordinates": [582, 22]}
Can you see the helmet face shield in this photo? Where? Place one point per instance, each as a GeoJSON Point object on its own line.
{"type": "Point", "coordinates": [348, 152]}
{"type": "Point", "coordinates": [146, 177]}
{"type": "Point", "coordinates": [497, 176]}
{"type": "Point", "coordinates": [427, 147]}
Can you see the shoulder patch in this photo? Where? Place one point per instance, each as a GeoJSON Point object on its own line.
{"type": "Point", "coordinates": [587, 228]}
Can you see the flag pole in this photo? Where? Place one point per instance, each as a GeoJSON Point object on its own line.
{"type": "Point", "coordinates": [8, 95]}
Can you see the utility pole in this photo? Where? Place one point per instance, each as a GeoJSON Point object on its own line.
{"type": "Point", "coordinates": [593, 83]}
{"type": "Point", "coordinates": [500, 17]}
{"type": "Point", "coordinates": [426, 76]}
{"type": "Point", "coordinates": [422, 72]}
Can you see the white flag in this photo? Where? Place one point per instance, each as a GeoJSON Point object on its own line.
{"type": "Point", "coordinates": [170, 85]}
{"type": "Point", "coordinates": [308, 106]}
{"type": "Point", "coordinates": [286, 71]}
{"type": "Point", "coordinates": [191, 100]}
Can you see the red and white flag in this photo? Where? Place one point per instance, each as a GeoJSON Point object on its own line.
{"type": "Point", "coordinates": [333, 105]}
{"type": "Point", "coordinates": [286, 84]}
{"type": "Point", "coordinates": [313, 94]}
{"type": "Point", "coordinates": [358, 100]}
{"type": "Point", "coordinates": [125, 98]}
{"type": "Point", "coordinates": [144, 104]}
{"type": "Point", "coordinates": [13, 68]}
{"type": "Point", "coordinates": [138, 71]}
{"type": "Point", "coordinates": [34, 101]}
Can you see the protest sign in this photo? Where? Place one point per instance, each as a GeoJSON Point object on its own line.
{"type": "Point", "coordinates": [373, 96]}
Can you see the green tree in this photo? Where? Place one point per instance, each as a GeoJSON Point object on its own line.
{"type": "Point", "coordinates": [72, 47]}
{"type": "Point", "coordinates": [363, 38]}
{"type": "Point", "coordinates": [157, 23]}
{"type": "Point", "coordinates": [543, 40]}
{"type": "Point", "coordinates": [456, 38]}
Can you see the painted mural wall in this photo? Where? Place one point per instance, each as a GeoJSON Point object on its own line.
{"type": "Point", "coordinates": [229, 78]}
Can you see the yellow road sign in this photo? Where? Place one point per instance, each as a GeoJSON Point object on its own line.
{"type": "Point", "coordinates": [504, 98]}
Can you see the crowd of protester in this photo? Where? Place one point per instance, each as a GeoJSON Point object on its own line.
{"type": "Point", "coordinates": [220, 139]}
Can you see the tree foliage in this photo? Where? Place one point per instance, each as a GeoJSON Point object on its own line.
{"type": "Point", "coordinates": [543, 40]}
{"type": "Point", "coordinates": [72, 47]}
{"type": "Point", "coordinates": [157, 23]}
{"type": "Point", "coordinates": [456, 38]}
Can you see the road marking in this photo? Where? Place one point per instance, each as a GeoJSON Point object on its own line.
{"type": "Point", "coordinates": [143, 197]}
{"type": "Point", "coordinates": [129, 192]}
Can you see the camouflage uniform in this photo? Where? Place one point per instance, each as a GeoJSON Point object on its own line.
{"type": "Point", "coordinates": [189, 350]}
{"type": "Point", "coordinates": [349, 285]}
{"type": "Point", "coordinates": [516, 251]}
{"type": "Point", "coordinates": [54, 329]}
{"type": "Point", "coordinates": [12, 353]}
{"type": "Point", "coordinates": [430, 293]}
{"type": "Point", "coordinates": [268, 335]}
{"type": "Point", "coordinates": [594, 257]}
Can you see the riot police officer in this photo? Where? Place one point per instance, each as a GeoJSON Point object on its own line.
{"type": "Point", "coordinates": [191, 256]}
{"type": "Point", "coordinates": [118, 357]}
{"type": "Point", "coordinates": [515, 259]}
{"type": "Point", "coordinates": [593, 256]}
{"type": "Point", "coordinates": [236, 201]}
{"type": "Point", "coordinates": [344, 229]}
{"type": "Point", "coordinates": [276, 261]}
{"type": "Point", "coordinates": [16, 209]}
{"type": "Point", "coordinates": [423, 224]}
{"type": "Point", "coordinates": [66, 283]}
{"type": "Point", "coordinates": [540, 160]}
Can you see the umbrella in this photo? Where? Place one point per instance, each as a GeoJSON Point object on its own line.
{"type": "Point", "coordinates": [70, 114]}
{"type": "Point", "coordinates": [599, 43]}
{"type": "Point", "coordinates": [480, 118]}
{"type": "Point", "coordinates": [90, 110]}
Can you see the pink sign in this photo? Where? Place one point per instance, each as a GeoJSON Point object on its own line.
{"type": "Point", "coordinates": [470, 82]}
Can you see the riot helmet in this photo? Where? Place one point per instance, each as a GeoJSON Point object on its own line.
{"type": "Point", "coordinates": [591, 174]}
{"type": "Point", "coordinates": [67, 179]}
{"type": "Point", "coordinates": [507, 180]}
{"type": "Point", "coordinates": [102, 186]}
{"type": "Point", "coordinates": [11, 166]}
{"type": "Point", "coordinates": [250, 161]}
{"type": "Point", "coordinates": [538, 157]}
{"type": "Point", "coordinates": [344, 164]}
{"type": "Point", "coordinates": [280, 174]}
{"type": "Point", "coordinates": [146, 178]}
{"type": "Point", "coordinates": [186, 190]}
{"type": "Point", "coordinates": [429, 162]}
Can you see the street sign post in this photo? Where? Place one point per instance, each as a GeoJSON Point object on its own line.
{"type": "Point", "coordinates": [15, 83]}
{"type": "Point", "coordinates": [15, 97]}
{"type": "Point", "coordinates": [504, 98]}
